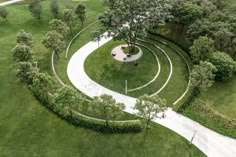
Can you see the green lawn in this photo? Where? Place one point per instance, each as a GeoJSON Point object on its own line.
{"type": "Point", "coordinates": [29, 129]}
{"type": "Point", "coordinates": [102, 68]}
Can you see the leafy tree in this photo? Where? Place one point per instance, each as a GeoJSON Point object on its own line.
{"type": "Point", "coordinates": [223, 38]}
{"type": "Point", "coordinates": [70, 19]}
{"type": "Point", "coordinates": [35, 8]}
{"type": "Point", "coordinates": [26, 72]}
{"type": "Point", "coordinates": [55, 8]}
{"type": "Point", "coordinates": [59, 26]}
{"type": "Point", "coordinates": [97, 35]}
{"type": "Point", "coordinates": [225, 65]}
{"type": "Point", "coordinates": [54, 42]}
{"type": "Point", "coordinates": [202, 49]}
{"type": "Point", "coordinates": [220, 4]}
{"type": "Point", "coordinates": [44, 86]}
{"type": "Point", "coordinates": [24, 38]}
{"type": "Point", "coordinates": [150, 107]}
{"type": "Point", "coordinates": [67, 97]}
{"type": "Point", "coordinates": [80, 11]}
{"type": "Point", "coordinates": [4, 13]}
{"type": "Point", "coordinates": [199, 28]}
{"type": "Point", "coordinates": [106, 107]}
{"type": "Point", "coordinates": [126, 19]}
{"type": "Point", "coordinates": [22, 53]}
{"type": "Point", "coordinates": [186, 12]}
{"type": "Point", "coordinates": [202, 75]}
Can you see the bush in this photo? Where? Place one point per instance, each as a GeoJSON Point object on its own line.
{"type": "Point", "coordinates": [225, 65]}
{"type": "Point", "coordinates": [195, 93]}
{"type": "Point", "coordinates": [4, 13]}
{"type": "Point", "coordinates": [26, 72]}
{"type": "Point", "coordinates": [22, 53]}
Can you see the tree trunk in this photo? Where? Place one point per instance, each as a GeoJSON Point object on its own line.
{"type": "Point", "coordinates": [148, 124]}
{"type": "Point", "coordinates": [58, 57]}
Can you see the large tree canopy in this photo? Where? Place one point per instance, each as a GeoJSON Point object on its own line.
{"type": "Point", "coordinates": [126, 19]}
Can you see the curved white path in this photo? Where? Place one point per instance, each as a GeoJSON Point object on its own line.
{"type": "Point", "coordinates": [9, 2]}
{"type": "Point", "coordinates": [208, 141]}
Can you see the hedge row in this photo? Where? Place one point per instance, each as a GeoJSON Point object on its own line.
{"type": "Point", "coordinates": [43, 85]}
{"type": "Point", "coordinates": [195, 93]}
{"type": "Point", "coordinates": [100, 125]}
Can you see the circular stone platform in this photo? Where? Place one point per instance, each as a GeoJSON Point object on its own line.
{"type": "Point", "coordinates": [118, 54]}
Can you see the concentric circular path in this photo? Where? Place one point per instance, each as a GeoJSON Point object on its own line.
{"type": "Point", "coordinates": [210, 142]}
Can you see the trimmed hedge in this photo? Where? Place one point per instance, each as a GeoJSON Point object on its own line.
{"type": "Point", "coordinates": [100, 125]}
{"type": "Point", "coordinates": [42, 85]}
{"type": "Point", "coordinates": [195, 93]}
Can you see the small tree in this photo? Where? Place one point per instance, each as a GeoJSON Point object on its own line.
{"type": "Point", "coordinates": [70, 19]}
{"type": "Point", "coordinates": [43, 85]}
{"type": "Point", "coordinates": [202, 75]}
{"type": "Point", "coordinates": [202, 49]}
{"type": "Point", "coordinates": [150, 107]}
{"type": "Point", "coordinates": [55, 8]}
{"type": "Point", "coordinates": [35, 8]}
{"type": "Point", "coordinates": [97, 35]}
{"type": "Point", "coordinates": [22, 53]}
{"type": "Point", "coordinates": [80, 11]}
{"type": "Point", "coordinates": [106, 107]}
{"type": "Point", "coordinates": [4, 13]}
{"type": "Point", "coordinates": [59, 26]}
{"type": "Point", "coordinates": [67, 97]}
{"type": "Point", "coordinates": [54, 42]}
{"type": "Point", "coordinates": [26, 72]}
{"type": "Point", "coordinates": [225, 65]}
{"type": "Point", "coordinates": [24, 38]}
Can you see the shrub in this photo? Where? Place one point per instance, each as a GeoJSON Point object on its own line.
{"type": "Point", "coordinates": [26, 72]}
{"type": "Point", "coordinates": [43, 85]}
{"type": "Point", "coordinates": [4, 13]}
{"type": "Point", "coordinates": [100, 125]}
{"type": "Point", "coordinates": [22, 53]}
{"type": "Point", "coordinates": [24, 38]}
{"type": "Point", "coordinates": [225, 65]}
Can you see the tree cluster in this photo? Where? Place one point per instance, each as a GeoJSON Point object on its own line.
{"type": "Point", "coordinates": [210, 27]}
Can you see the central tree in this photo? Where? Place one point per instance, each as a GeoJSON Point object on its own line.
{"type": "Point", "coordinates": [127, 19]}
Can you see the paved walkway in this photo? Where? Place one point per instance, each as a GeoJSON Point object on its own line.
{"type": "Point", "coordinates": [208, 141]}
{"type": "Point", "coordinates": [9, 2]}
{"type": "Point", "coordinates": [118, 54]}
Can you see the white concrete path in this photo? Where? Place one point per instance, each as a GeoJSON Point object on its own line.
{"type": "Point", "coordinates": [208, 141]}
{"type": "Point", "coordinates": [9, 2]}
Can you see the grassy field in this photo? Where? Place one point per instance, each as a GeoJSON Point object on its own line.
{"type": "Point", "coordinates": [28, 129]}
{"type": "Point", "coordinates": [100, 66]}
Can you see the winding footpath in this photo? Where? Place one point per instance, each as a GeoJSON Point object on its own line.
{"type": "Point", "coordinates": [9, 2]}
{"type": "Point", "coordinates": [208, 141]}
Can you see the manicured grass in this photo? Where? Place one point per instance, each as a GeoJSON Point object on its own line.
{"type": "Point", "coordinates": [29, 129]}
{"type": "Point", "coordinates": [100, 66]}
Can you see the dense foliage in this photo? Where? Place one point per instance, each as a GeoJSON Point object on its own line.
{"type": "Point", "coordinates": [225, 65]}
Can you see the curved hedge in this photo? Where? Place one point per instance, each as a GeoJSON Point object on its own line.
{"type": "Point", "coordinates": [43, 85]}
{"type": "Point", "coordinates": [100, 125]}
